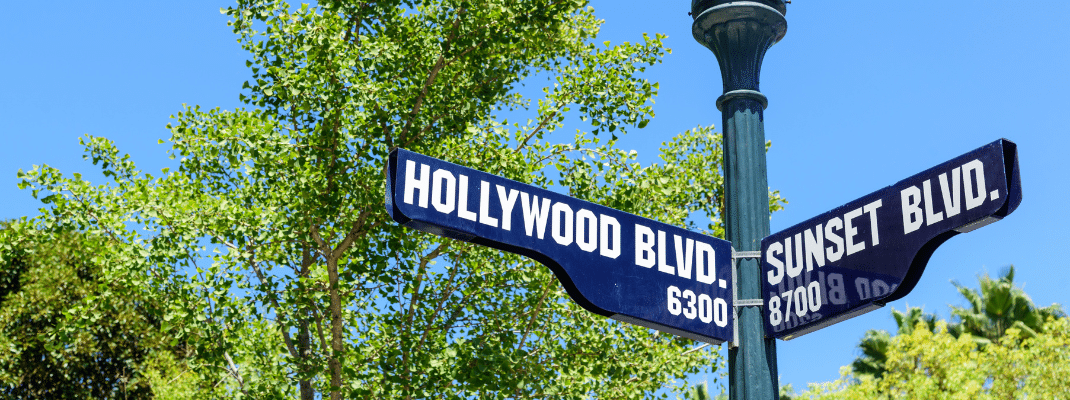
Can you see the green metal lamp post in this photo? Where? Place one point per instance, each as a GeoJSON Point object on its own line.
{"type": "Point", "coordinates": [739, 33]}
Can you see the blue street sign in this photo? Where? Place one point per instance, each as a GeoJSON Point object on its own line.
{"type": "Point", "coordinates": [612, 263]}
{"type": "Point", "coordinates": [871, 251]}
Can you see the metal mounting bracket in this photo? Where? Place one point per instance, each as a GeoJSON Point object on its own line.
{"type": "Point", "coordinates": [736, 301]}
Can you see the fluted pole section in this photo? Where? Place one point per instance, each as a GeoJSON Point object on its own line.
{"type": "Point", "coordinates": [739, 33]}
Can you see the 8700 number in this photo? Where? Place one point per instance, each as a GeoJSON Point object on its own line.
{"type": "Point", "coordinates": [802, 300]}
{"type": "Point", "coordinates": [702, 306]}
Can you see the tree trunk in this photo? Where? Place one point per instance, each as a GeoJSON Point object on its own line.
{"type": "Point", "coordinates": [336, 330]}
{"type": "Point", "coordinates": [303, 348]}
{"type": "Point", "coordinates": [304, 342]}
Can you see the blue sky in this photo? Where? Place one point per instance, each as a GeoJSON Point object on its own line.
{"type": "Point", "coordinates": [862, 94]}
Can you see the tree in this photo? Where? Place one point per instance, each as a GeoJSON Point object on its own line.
{"type": "Point", "coordinates": [936, 365]}
{"type": "Point", "coordinates": [64, 336]}
{"type": "Point", "coordinates": [996, 307]}
{"type": "Point", "coordinates": [875, 343]}
{"type": "Point", "coordinates": [271, 241]}
{"type": "Point", "coordinates": [1000, 305]}
{"type": "Point", "coordinates": [1000, 347]}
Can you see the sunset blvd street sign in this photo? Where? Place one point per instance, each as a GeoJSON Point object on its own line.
{"type": "Point", "coordinates": [612, 263]}
{"type": "Point", "coordinates": [873, 250]}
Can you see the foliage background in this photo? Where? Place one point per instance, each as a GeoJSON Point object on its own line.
{"type": "Point", "coordinates": [926, 364]}
{"type": "Point", "coordinates": [862, 94]}
{"type": "Point", "coordinates": [273, 222]}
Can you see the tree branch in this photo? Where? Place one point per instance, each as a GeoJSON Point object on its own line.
{"type": "Point", "coordinates": [439, 64]}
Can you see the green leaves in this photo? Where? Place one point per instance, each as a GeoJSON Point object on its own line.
{"type": "Point", "coordinates": [936, 364]}
{"type": "Point", "coordinates": [991, 351]}
{"type": "Point", "coordinates": [70, 326]}
{"type": "Point", "coordinates": [1000, 305]}
{"type": "Point", "coordinates": [277, 263]}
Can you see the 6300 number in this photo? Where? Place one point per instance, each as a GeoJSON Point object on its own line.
{"type": "Point", "coordinates": [701, 306]}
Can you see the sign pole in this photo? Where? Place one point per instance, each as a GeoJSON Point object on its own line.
{"type": "Point", "coordinates": [739, 33]}
{"type": "Point", "coordinates": [752, 288]}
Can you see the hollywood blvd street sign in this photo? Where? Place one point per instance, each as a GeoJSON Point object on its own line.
{"type": "Point", "coordinates": [612, 263]}
{"type": "Point", "coordinates": [871, 251]}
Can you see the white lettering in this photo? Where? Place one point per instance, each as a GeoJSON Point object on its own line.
{"type": "Point", "coordinates": [837, 242]}
{"type": "Point", "coordinates": [644, 246]}
{"type": "Point", "coordinates": [814, 253]}
{"type": "Point", "coordinates": [662, 249]}
{"type": "Point", "coordinates": [705, 257]}
{"type": "Point", "coordinates": [871, 209]}
{"type": "Point", "coordinates": [775, 316]}
{"type": "Point", "coordinates": [674, 305]}
{"type": "Point", "coordinates": [813, 292]}
{"type": "Point", "coordinates": [850, 231]}
{"type": "Point", "coordinates": [930, 216]}
{"type": "Point", "coordinates": [484, 205]}
{"type": "Point", "coordinates": [683, 269]}
{"type": "Point", "coordinates": [604, 222]}
{"type": "Point", "coordinates": [705, 308]}
{"type": "Point", "coordinates": [411, 183]}
{"type": "Point", "coordinates": [462, 201]}
{"type": "Point", "coordinates": [775, 275]}
{"type": "Point", "coordinates": [720, 314]}
{"type": "Point", "coordinates": [443, 199]}
{"type": "Point", "coordinates": [507, 206]}
{"type": "Point", "coordinates": [586, 230]}
{"type": "Point", "coordinates": [912, 217]}
{"type": "Point", "coordinates": [974, 195]}
{"type": "Point", "coordinates": [951, 195]}
{"type": "Point", "coordinates": [535, 217]}
{"type": "Point", "coordinates": [801, 303]}
{"type": "Point", "coordinates": [793, 268]}
{"type": "Point", "coordinates": [690, 312]}
{"type": "Point", "coordinates": [561, 223]}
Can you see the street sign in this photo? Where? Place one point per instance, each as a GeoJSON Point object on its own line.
{"type": "Point", "coordinates": [871, 251]}
{"type": "Point", "coordinates": [612, 263]}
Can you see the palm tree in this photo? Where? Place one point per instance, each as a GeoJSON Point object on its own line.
{"type": "Point", "coordinates": [874, 344]}
{"type": "Point", "coordinates": [997, 306]}
{"type": "Point", "coordinates": [1000, 305]}
{"type": "Point", "coordinates": [909, 320]}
